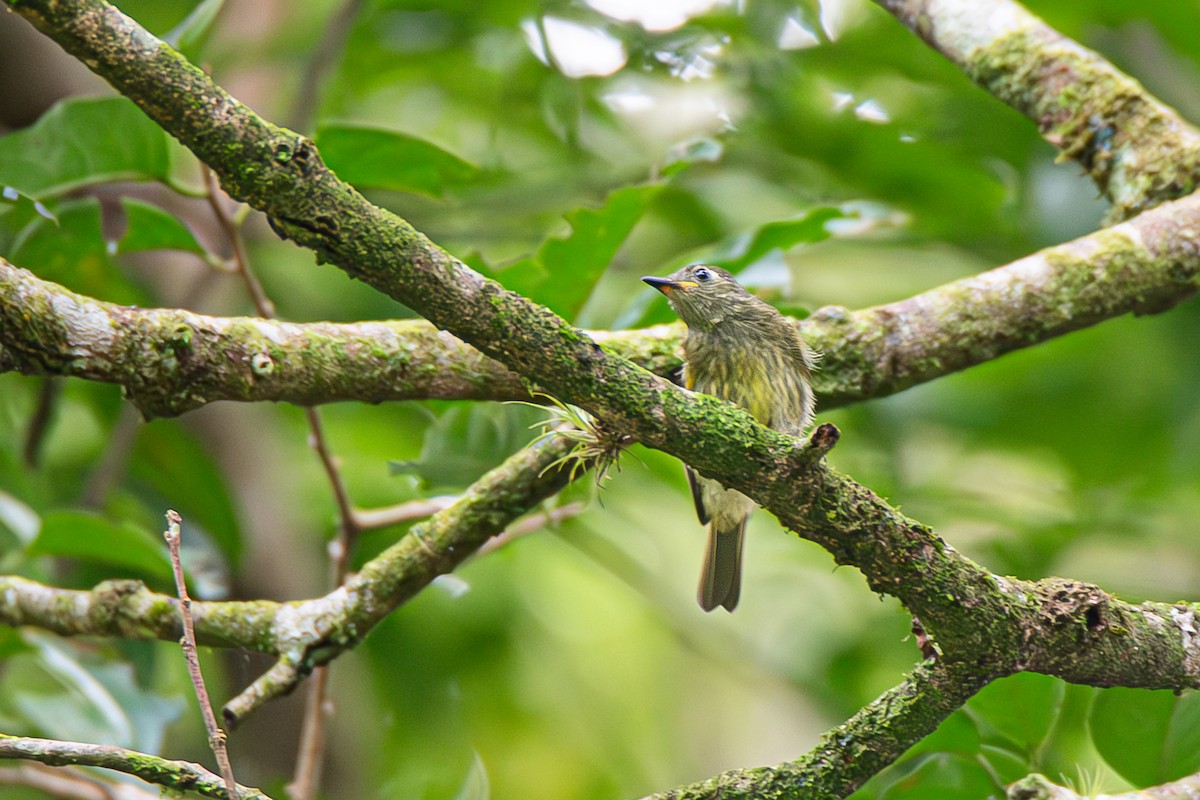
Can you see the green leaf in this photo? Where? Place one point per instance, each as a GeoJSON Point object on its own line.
{"type": "Point", "coordinates": [781, 235]}
{"type": "Point", "coordinates": [1007, 766]}
{"type": "Point", "coordinates": [18, 518]}
{"type": "Point", "coordinates": [958, 733]}
{"type": "Point", "coordinates": [90, 537]}
{"type": "Point", "coordinates": [83, 142]}
{"type": "Point", "coordinates": [945, 777]}
{"type": "Point", "coordinates": [67, 248]}
{"type": "Point", "coordinates": [382, 159]}
{"type": "Point", "coordinates": [168, 459]}
{"type": "Point", "coordinates": [149, 227]}
{"type": "Point", "coordinates": [1148, 737]}
{"type": "Point", "coordinates": [72, 251]}
{"type": "Point", "coordinates": [565, 269]}
{"type": "Point", "coordinates": [70, 693]}
{"type": "Point", "coordinates": [1020, 710]}
{"type": "Point", "coordinates": [701, 150]}
{"type": "Point", "coordinates": [18, 214]}
{"type": "Point", "coordinates": [467, 441]}
{"type": "Point", "coordinates": [189, 35]}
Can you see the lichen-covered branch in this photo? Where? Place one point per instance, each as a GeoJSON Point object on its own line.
{"type": "Point", "coordinates": [1138, 150]}
{"type": "Point", "coordinates": [126, 609]}
{"type": "Point", "coordinates": [180, 776]}
{"type": "Point", "coordinates": [987, 626]}
{"type": "Point", "coordinates": [316, 632]}
{"type": "Point", "coordinates": [1145, 265]}
{"type": "Point", "coordinates": [282, 174]}
{"type": "Point", "coordinates": [169, 361]}
{"type": "Point", "coordinates": [860, 747]}
{"type": "Point", "coordinates": [1001, 625]}
{"type": "Point", "coordinates": [310, 631]}
{"type": "Point", "coordinates": [1057, 627]}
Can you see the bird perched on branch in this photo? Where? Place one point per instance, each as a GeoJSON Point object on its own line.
{"type": "Point", "coordinates": [741, 350]}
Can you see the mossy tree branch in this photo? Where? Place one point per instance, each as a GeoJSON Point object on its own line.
{"type": "Point", "coordinates": [996, 625]}
{"type": "Point", "coordinates": [986, 625]}
{"type": "Point", "coordinates": [179, 776]}
{"type": "Point", "coordinates": [307, 633]}
{"type": "Point", "coordinates": [169, 361]}
{"type": "Point", "coordinates": [281, 174]}
{"type": "Point", "coordinates": [860, 747]}
{"type": "Point", "coordinates": [1001, 626]}
{"type": "Point", "coordinates": [1138, 150]}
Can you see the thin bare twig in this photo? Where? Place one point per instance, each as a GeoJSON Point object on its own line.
{"type": "Point", "coordinates": [39, 423]}
{"type": "Point", "coordinates": [229, 227]}
{"type": "Point", "coordinates": [531, 524]}
{"type": "Point", "coordinates": [317, 708]}
{"type": "Point", "coordinates": [216, 736]}
{"type": "Point", "coordinates": [348, 527]}
{"type": "Point", "coordinates": [337, 30]}
{"type": "Point", "coordinates": [369, 519]}
{"type": "Point", "coordinates": [114, 459]}
{"type": "Point", "coordinates": [310, 756]}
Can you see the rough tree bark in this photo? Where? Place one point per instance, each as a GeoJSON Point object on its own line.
{"type": "Point", "coordinates": [986, 626]}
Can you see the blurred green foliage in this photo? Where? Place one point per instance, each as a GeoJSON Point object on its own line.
{"type": "Point", "coordinates": [819, 148]}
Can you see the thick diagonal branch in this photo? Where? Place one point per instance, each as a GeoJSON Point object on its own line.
{"type": "Point", "coordinates": [1138, 150]}
{"type": "Point", "coordinates": [282, 174]}
{"type": "Point", "coordinates": [861, 746]}
{"type": "Point", "coordinates": [312, 631]}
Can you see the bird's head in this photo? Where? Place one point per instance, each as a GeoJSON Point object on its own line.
{"type": "Point", "coordinates": [704, 296]}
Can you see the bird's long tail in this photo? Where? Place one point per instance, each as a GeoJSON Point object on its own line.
{"type": "Point", "coordinates": [721, 580]}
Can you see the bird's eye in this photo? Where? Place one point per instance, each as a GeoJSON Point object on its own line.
{"type": "Point", "coordinates": [702, 274]}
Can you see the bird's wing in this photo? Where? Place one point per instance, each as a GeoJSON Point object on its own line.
{"type": "Point", "coordinates": [697, 498]}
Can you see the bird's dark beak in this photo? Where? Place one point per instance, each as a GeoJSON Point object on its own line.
{"type": "Point", "coordinates": [666, 285]}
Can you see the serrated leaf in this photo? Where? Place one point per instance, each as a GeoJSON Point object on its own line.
{"type": "Point", "coordinates": [90, 537]}
{"type": "Point", "coordinates": [565, 269]}
{"type": "Point", "coordinates": [382, 159]}
{"type": "Point", "coordinates": [83, 142]}
{"type": "Point", "coordinates": [1148, 737]}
